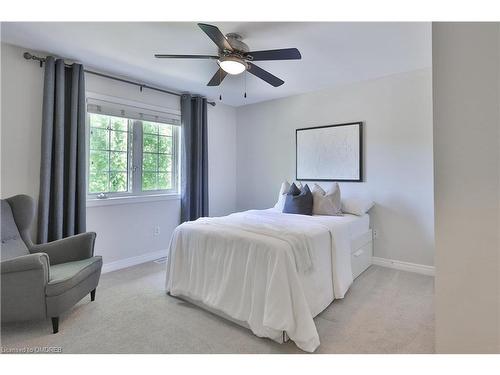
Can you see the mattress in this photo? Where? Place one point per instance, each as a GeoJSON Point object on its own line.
{"type": "Point", "coordinates": [358, 225]}
{"type": "Point", "coordinates": [318, 285]}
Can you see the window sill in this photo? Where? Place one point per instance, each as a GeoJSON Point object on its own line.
{"type": "Point", "coordinates": [131, 199]}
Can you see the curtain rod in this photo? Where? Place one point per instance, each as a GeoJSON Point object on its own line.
{"type": "Point", "coordinates": [41, 60]}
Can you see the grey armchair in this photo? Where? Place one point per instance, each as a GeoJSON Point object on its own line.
{"type": "Point", "coordinates": [40, 281]}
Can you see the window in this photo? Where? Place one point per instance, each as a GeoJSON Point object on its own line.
{"type": "Point", "coordinates": [108, 154]}
{"type": "Point", "coordinates": [128, 156]}
{"type": "Point", "coordinates": [157, 156]}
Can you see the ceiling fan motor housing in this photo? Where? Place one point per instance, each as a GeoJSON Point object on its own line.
{"type": "Point", "coordinates": [236, 42]}
{"type": "Point", "coordinates": [233, 62]}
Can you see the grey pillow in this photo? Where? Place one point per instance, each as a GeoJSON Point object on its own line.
{"type": "Point", "coordinates": [298, 201]}
{"type": "Point", "coordinates": [327, 203]}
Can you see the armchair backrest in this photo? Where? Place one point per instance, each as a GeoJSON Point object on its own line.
{"type": "Point", "coordinates": [17, 214]}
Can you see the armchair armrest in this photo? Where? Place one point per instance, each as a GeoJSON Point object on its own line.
{"type": "Point", "coordinates": [24, 280]}
{"type": "Point", "coordinates": [29, 262]}
{"type": "Point", "coordinates": [78, 247]}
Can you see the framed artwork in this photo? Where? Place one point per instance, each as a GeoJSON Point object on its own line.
{"type": "Point", "coordinates": [330, 153]}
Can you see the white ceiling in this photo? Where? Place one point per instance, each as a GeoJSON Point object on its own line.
{"type": "Point", "coordinates": [332, 53]}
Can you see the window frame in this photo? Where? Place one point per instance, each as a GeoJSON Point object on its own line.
{"type": "Point", "coordinates": [137, 158]}
{"type": "Point", "coordinates": [135, 155]}
{"type": "Point", "coordinates": [91, 196]}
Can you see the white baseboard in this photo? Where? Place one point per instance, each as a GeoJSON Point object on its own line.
{"type": "Point", "coordinates": [129, 262]}
{"type": "Point", "coordinates": [404, 266]}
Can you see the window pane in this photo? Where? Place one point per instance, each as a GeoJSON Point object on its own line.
{"type": "Point", "coordinates": [164, 181]}
{"type": "Point", "coordinates": [99, 139]}
{"type": "Point", "coordinates": [117, 181]}
{"type": "Point", "coordinates": [118, 141]}
{"type": "Point", "coordinates": [98, 182]}
{"type": "Point", "coordinates": [98, 161]}
{"type": "Point", "coordinates": [165, 129]}
{"type": "Point", "coordinates": [157, 159]}
{"type": "Point", "coordinates": [165, 144]}
{"type": "Point", "coordinates": [150, 143]}
{"type": "Point", "coordinates": [99, 121]}
{"type": "Point", "coordinates": [118, 161]}
{"type": "Point", "coordinates": [108, 154]}
{"type": "Point", "coordinates": [148, 181]}
{"type": "Point", "coordinates": [149, 127]}
{"type": "Point", "coordinates": [118, 123]}
{"type": "Point", "coordinates": [111, 152]}
{"type": "Point", "coordinates": [165, 162]}
{"type": "Point", "coordinates": [149, 162]}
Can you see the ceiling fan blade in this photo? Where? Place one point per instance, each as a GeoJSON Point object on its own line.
{"type": "Point", "coordinates": [264, 75]}
{"type": "Point", "coordinates": [216, 35]}
{"type": "Point", "coordinates": [275, 54]}
{"type": "Point", "coordinates": [217, 78]}
{"type": "Point", "coordinates": [162, 56]}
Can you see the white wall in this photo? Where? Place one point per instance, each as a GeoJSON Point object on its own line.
{"type": "Point", "coordinates": [123, 230]}
{"type": "Point", "coordinates": [498, 231]}
{"type": "Point", "coordinates": [467, 182]}
{"type": "Point", "coordinates": [221, 159]}
{"type": "Point", "coordinates": [22, 89]}
{"type": "Point", "coordinates": [397, 115]}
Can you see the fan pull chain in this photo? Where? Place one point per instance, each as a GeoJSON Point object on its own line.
{"type": "Point", "coordinates": [245, 95]}
{"type": "Point", "coordinates": [220, 81]}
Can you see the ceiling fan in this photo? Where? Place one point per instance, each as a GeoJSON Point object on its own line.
{"type": "Point", "coordinates": [235, 57]}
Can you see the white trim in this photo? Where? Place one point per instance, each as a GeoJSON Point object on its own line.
{"type": "Point", "coordinates": [129, 262]}
{"type": "Point", "coordinates": [131, 103]}
{"type": "Point", "coordinates": [131, 199]}
{"type": "Point", "coordinates": [404, 266]}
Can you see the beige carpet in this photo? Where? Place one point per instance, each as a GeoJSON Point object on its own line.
{"type": "Point", "coordinates": [385, 311]}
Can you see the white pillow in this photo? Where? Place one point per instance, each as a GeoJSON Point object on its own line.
{"type": "Point", "coordinates": [285, 187]}
{"type": "Point", "coordinates": [356, 206]}
{"type": "Point", "coordinates": [280, 204]}
{"type": "Point", "coordinates": [327, 203]}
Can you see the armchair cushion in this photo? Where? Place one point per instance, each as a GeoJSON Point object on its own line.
{"type": "Point", "coordinates": [12, 244]}
{"type": "Point", "coordinates": [69, 249]}
{"type": "Point", "coordinates": [65, 276]}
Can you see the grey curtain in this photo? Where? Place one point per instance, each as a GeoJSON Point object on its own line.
{"type": "Point", "coordinates": [61, 205]}
{"type": "Point", "coordinates": [194, 174]}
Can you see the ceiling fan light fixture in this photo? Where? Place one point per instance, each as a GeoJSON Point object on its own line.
{"type": "Point", "coordinates": [232, 65]}
{"type": "Point", "coordinates": [235, 57]}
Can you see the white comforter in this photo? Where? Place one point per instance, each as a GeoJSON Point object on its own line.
{"type": "Point", "coordinates": [247, 265]}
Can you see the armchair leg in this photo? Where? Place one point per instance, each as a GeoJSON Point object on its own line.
{"type": "Point", "coordinates": [92, 295]}
{"type": "Point", "coordinates": [55, 324]}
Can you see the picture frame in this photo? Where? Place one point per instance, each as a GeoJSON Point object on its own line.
{"type": "Point", "coordinates": [329, 153]}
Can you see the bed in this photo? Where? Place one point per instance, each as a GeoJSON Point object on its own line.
{"type": "Point", "coordinates": [268, 271]}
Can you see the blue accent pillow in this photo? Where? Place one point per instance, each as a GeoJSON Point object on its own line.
{"type": "Point", "coordinates": [298, 201]}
